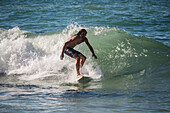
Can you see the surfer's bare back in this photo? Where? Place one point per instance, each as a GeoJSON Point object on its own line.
{"type": "Point", "coordinates": [71, 43]}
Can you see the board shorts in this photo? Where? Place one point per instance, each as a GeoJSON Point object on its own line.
{"type": "Point", "coordinates": [71, 52]}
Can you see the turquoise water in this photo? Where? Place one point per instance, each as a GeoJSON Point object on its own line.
{"type": "Point", "coordinates": [130, 38]}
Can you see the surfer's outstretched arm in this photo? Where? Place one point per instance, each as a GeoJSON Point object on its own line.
{"type": "Point", "coordinates": [90, 47]}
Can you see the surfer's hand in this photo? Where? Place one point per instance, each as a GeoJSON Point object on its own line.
{"type": "Point", "coordinates": [62, 56]}
{"type": "Point", "coordinates": [94, 56]}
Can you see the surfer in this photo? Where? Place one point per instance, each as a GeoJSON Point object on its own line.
{"type": "Point", "coordinates": [71, 43]}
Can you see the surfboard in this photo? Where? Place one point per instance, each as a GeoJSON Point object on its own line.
{"type": "Point", "coordinates": [83, 79]}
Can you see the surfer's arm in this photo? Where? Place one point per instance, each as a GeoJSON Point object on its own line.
{"type": "Point", "coordinates": [62, 53]}
{"type": "Point", "coordinates": [90, 47]}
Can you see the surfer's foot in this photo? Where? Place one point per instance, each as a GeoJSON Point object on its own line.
{"type": "Point", "coordinates": [79, 76]}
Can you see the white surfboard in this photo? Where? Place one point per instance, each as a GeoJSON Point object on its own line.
{"type": "Point", "coordinates": [83, 79]}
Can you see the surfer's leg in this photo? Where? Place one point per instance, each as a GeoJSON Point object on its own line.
{"type": "Point", "coordinates": [80, 58]}
{"type": "Point", "coordinates": [78, 65]}
{"type": "Point", "coordinates": [83, 59]}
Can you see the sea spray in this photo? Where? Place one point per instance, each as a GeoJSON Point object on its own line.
{"type": "Point", "coordinates": [119, 52]}
{"type": "Point", "coordinates": [38, 56]}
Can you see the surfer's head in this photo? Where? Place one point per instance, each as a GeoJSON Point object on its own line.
{"type": "Point", "coordinates": [82, 32]}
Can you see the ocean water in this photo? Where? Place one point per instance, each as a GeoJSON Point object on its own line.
{"type": "Point", "coordinates": [129, 37]}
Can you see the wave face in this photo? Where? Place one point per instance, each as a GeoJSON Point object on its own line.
{"type": "Point", "coordinates": [37, 56]}
{"type": "Point", "coordinates": [120, 52]}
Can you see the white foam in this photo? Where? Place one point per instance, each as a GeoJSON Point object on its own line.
{"type": "Point", "coordinates": [39, 57]}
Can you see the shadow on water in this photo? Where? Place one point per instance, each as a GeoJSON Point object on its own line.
{"type": "Point", "coordinates": [77, 87]}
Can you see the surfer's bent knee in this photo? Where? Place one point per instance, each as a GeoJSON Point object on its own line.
{"type": "Point", "coordinates": [84, 58]}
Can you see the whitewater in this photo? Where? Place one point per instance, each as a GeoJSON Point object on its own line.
{"type": "Point", "coordinates": [35, 56]}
